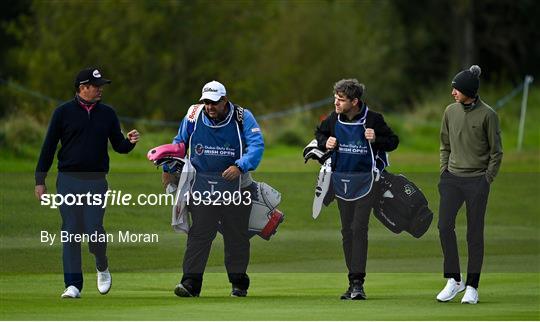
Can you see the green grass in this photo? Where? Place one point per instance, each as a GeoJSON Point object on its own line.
{"type": "Point", "coordinates": [290, 296]}
{"type": "Point", "coordinates": [300, 273]}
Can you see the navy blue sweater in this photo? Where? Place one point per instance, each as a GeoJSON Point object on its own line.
{"type": "Point", "coordinates": [83, 136]}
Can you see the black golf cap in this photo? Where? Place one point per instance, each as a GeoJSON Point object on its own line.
{"type": "Point", "coordinates": [90, 76]}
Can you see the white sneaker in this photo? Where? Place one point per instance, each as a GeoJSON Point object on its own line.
{"type": "Point", "coordinates": [104, 281]}
{"type": "Point", "coordinates": [471, 296]}
{"type": "Point", "coordinates": [450, 290]}
{"type": "Point", "coordinates": [71, 292]}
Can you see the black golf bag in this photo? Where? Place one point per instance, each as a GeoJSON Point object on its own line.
{"type": "Point", "coordinates": [401, 205]}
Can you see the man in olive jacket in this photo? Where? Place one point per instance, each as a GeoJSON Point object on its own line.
{"type": "Point", "coordinates": [471, 154]}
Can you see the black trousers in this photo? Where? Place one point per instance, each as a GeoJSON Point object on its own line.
{"type": "Point", "coordinates": [453, 192]}
{"type": "Point", "coordinates": [354, 231]}
{"type": "Point", "coordinates": [233, 222]}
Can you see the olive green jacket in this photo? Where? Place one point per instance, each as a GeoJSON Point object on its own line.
{"type": "Point", "coordinates": [471, 140]}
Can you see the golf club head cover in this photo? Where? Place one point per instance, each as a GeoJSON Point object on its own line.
{"type": "Point", "coordinates": [312, 151]}
{"type": "Point", "coordinates": [170, 156]}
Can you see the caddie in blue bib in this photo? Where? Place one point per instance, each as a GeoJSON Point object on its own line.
{"type": "Point", "coordinates": [354, 162]}
{"type": "Point", "coordinates": [213, 148]}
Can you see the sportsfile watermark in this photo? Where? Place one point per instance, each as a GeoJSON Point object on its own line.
{"type": "Point", "coordinates": [119, 198]}
{"type": "Point", "coordinates": [301, 243]}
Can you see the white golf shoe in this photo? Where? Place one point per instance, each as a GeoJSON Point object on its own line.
{"type": "Point", "coordinates": [71, 292]}
{"type": "Point", "coordinates": [471, 296]}
{"type": "Point", "coordinates": [450, 291]}
{"type": "Point", "coordinates": [104, 281]}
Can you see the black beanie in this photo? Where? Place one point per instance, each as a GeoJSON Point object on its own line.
{"type": "Point", "coordinates": [468, 81]}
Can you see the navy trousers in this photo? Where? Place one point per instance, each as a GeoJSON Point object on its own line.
{"type": "Point", "coordinates": [81, 219]}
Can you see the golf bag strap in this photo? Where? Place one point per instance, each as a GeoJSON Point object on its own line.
{"type": "Point", "coordinates": [239, 116]}
{"type": "Point", "coordinates": [193, 116]}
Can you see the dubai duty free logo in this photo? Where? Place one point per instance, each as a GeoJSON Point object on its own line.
{"type": "Point", "coordinates": [199, 149]}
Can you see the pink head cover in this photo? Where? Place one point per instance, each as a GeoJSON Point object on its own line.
{"type": "Point", "coordinates": [167, 151]}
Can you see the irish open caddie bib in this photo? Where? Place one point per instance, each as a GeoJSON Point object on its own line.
{"type": "Point", "coordinates": [212, 149]}
{"type": "Point", "coordinates": [353, 174]}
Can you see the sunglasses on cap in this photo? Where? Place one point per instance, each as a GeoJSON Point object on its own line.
{"type": "Point", "coordinates": [210, 102]}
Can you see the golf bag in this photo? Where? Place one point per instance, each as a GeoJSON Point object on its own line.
{"type": "Point", "coordinates": [264, 217]}
{"type": "Point", "coordinates": [401, 205]}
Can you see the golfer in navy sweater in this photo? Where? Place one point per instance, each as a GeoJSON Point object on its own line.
{"type": "Point", "coordinates": [83, 126]}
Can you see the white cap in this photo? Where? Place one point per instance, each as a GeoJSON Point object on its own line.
{"type": "Point", "coordinates": [213, 91]}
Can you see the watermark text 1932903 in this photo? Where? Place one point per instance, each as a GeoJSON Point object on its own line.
{"type": "Point", "coordinates": [119, 198]}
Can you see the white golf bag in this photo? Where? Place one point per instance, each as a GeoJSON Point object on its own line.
{"type": "Point", "coordinates": [264, 218]}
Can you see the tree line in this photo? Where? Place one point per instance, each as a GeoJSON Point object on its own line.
{"type": "Point", "coordinates": [270, 54]}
